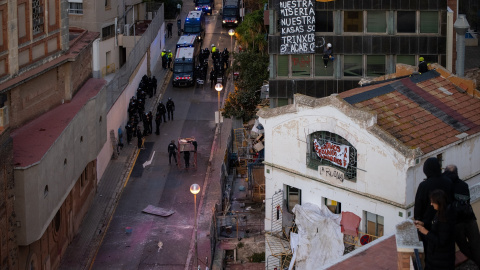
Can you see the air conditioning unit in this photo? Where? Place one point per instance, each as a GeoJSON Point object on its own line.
{"type": "Point", "coordinates": [4, 116]}
{"type": "Point", "coordinates": [126, 30]}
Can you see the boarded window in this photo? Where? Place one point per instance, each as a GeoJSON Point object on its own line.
{"type": "Point", "coordinates": [429, 22]}
{"type": "Point", "coordinates": [376, 22]}
{"type": "Point", "coordinates": [352, 65]}
{"type": "Point", "coordinates": [375, 65]}
{"type": "Point", "coordinates": [406, 59]}
{"type": "Point", "coordinates": [320, 69]}
{"type": "Point", "coordinates": [282, 65]}
{"type": "Point", "coordinates": [300, 65]}
{"type": "Point", "coordinates": [22, 29]}
{"type": "Point", "coordinates": [353, 21]}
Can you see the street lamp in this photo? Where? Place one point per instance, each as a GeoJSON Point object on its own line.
{"type": "Point", "coordinates": [219, 88]}
{"type": "Point", "coordinates": [194, 189]}
{"type": "Point", "coordinates": [231, 32]}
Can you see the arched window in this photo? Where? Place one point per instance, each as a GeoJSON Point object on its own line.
{"type": "Point", "coordinates": [330, 149]}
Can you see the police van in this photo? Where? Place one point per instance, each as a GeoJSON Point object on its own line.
{"type": "Point", "coordinates": [188, 41]}
{"type": "Point", "coordinates": [231, 13]}
{"type": "Point", "coordinates": [206, 6]}
{"type": "Point", "coordinates": [195, 25]}
{"type": "Point", "coordinates": [184, 67]}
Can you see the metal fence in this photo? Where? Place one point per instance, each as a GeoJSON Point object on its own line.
{"type": "Point", "coordinates": [117, 85]}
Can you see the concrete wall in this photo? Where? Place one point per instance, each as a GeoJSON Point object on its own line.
{"type": "Point", "coordinates": [35, 210]}
{"type": "Point", "coordinates": [118, 115]}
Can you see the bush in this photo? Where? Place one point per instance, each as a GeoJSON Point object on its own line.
{"type": "Point", "coordinates": [257, 257]}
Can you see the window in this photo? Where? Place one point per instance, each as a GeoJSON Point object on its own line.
{"type": "Point", "coordinates": [374, 224]}
{"type": "Point", "coordinates": [294, 197]}
{"type": "Point", "coordinates": [440, 160]}
{"type": "Point", "coordinates": [300, 65]}
{"type": "Point", "coordinates": [282, 102]}
{"type": "Point", "coordinates": [75, 8]}
{"type": "Point", "coordinates": [37, 16]}
{"type": "Point", "coordinates": [429, 22]}
{"type": "Point", "coordinates": [282, 65]}
{"type": "Point", "coordinates": [430, 58]}
{"type": "Point", "coordinates": [320, 69]}
{"type": "Point", "coordinates": [108, 32]}
{"type": "Point", "coordinates": [352, 65]}
{"type": "Point", "coordinates": [406, 21]}
{"type": "Point", "coordinates": [406, 59]}
{"type": "Point", "coordinates": [353, 21]}
{"type": "Point", "coordinates": [376, 22]}
{"type": "Point", "coordinates": [375, 65]}
{"type": "Point", "coordinates": [324, 137]}
{"type": "Point", "coordinates": [334, 206]}
{"type": "Point", "coordinates": [323, 21]}
{"type": "Point", "coordinates": [107, 4]}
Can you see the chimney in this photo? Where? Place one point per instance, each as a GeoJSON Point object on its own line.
{"type": "Point", "coordinates": [461, 26]}
{"type": "Point", "coordinates": [409, 247]}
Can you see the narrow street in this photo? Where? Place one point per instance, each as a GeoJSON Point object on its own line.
{"type": "Point", "coordinates": [164, 242]}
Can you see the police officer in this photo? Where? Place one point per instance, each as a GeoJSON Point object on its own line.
{"type": "Point", "coordinates": [169, 29]}
{"type": "Point", "coordinates": [162, 110]}
{"type": "Point", "coordinates": [128, 129]}
{"type": "Point", "coordinates": [146, 126]}
{"type": "Point", "coordinates": [139, 138]}
{"type": "Point", "coordinates": [172, 151]}
{"type": "Point", "coordinates": [154, 85]}
{"type": "Point", "coordinates": [170, 108]}
{"type": "Point", "coordinates": [150, 122]}
{"type": "Point", "coordinates": [170, 58]}
{"type": "Point", "coordinates": [213, 78]}
{"type": "Point", "coordinates": [158, 120]}
{"type": "Point", "coordinates": [164, 59]}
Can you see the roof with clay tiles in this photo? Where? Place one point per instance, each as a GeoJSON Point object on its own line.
{"type": "Point", "coordinates": [425, 111]}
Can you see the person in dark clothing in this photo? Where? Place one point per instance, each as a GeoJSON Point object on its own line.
{"type": "Point", "coordinates": [186, 157]}
{"type": "Point", "coordinates": [146, 126]}
{"type": "Point", "coordinates": [213, 78]}
{"type": "Point", "coordinates": [172, 151]}
{"type": "Point", "coordinates": [158, 120]}
{"type": "Point", "coordinates": [128, 130]}
{"type": "Point", "coordinates": [440, 250]}
{"type": "Point", "coordinates": [161, 108]}
{"type": "Point", "coordinates": [150, 122]}
{"type": "Point", "coordinates": [327, 54]}
{"type": "Point", "coordinates": [169, 29]}
{"type": "Point", "coordinates": [170, 108]}
{"type": "Point", "coordinates": [139, 138]}
{"type": "Point", "coordinates": [423, 210]}
{"type": "Point", "coordinates": [154, 85]}
{"type": "Point", "coordinates": [422, 65]}
{"type": "Point", "coordinates": [467, 235]}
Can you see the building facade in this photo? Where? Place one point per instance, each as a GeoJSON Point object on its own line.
{"type": "Point", "coordinates": [368, 39]}
{"type": "Point", "coordinates": [362, 151]}
{"type": "Point", "coordinates": [48, 156]}
{"type": "Point", "coordinates": [114, 20]}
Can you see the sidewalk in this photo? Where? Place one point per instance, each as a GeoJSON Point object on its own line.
{"type": "Point", "coordinates": [85, 243]}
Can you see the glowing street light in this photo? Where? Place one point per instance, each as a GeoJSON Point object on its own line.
{"type": "Point", "coordinates": [194, 189]}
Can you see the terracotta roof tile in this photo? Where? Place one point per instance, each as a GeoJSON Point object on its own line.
{"type": "Point", "coordinates": [423, 117]}
{"type": "Point", "coordinates": [381, 255]}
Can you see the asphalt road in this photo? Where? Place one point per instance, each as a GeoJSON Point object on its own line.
{"type": "Point", "coordinates": [164, 185]}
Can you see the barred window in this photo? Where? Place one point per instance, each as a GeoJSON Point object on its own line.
{"type": "Point", "coordinates": [108, 32]}
{"type": "Point", "coordinates": [37, 16]}
{"type": "Point", "coordinates": [322, 137]}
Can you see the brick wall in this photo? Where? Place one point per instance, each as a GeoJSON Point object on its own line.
{"type": "Point", "coordinates": [37, 96]}
{"type": "Point", "coordinates": [46, 253]}
{"type": "Point", "coordinates": [8, 244]}
{"type": "Point", "coordinates": [81, 68]}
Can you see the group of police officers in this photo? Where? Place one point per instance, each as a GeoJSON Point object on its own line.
{"type": "Point", "coordinates": [167, 58]}
{"type": "Point", "coordinates": [137, 113]}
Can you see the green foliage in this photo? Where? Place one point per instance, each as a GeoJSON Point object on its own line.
{"type": "Point", "coordinates": [251, 32]}
{"type": "Point", "coordinates": [253, 68]}
{"type": "Point", "coordinates": [257, 257]}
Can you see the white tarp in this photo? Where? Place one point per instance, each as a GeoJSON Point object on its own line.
{"type": "Point", "coordinates": [320, 236]}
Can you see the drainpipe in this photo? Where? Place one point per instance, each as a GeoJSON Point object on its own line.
{"type": "Point", "coordinates": [461, 26]}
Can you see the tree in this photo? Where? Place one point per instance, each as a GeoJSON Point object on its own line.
{"type": "Point", "coordinates": [251, 33]}
{"type": "Point", "coordinates": [242, 103]}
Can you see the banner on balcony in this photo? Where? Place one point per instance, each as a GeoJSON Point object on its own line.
{"type": "Point", "coordinates": [337, 154]}
{"type": "Point", "coordinates": [297, 26]}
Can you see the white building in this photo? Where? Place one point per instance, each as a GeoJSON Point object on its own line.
{"type": "Point", "coordinates": [378, 138]}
